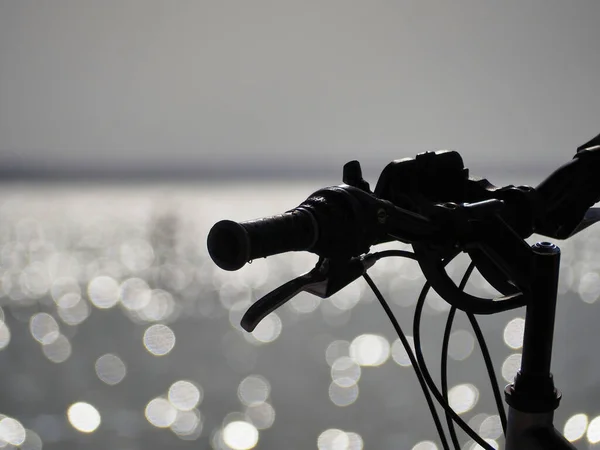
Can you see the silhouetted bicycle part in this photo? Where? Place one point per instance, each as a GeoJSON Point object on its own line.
{"type": "Point", "coordinates": [432, 203]}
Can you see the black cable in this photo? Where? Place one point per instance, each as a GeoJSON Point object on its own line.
{"type": "Point", "coordinates": [444, 370]}
{"type": "Point", "coordinates": [430, 383]}
{"type": "Point", "coordinates": [451, 315]}
{"type": "Point", "coordinates": [486, 357]}
{"type": "Point", "coordinates": [444, 363]}
{"type": "Point", "coordinates": [411, 356]}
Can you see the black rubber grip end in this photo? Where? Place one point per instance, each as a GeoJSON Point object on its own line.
{"type": "Point", "coordinates": [229, 245]}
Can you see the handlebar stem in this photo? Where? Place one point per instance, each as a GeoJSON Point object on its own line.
{"type": "Point", "coordinates": [539, 317]}
{"type": "Point", "coordinates": [532, 397]}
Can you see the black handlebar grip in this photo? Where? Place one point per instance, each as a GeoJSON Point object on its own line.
{"type": "Point", "coordinates": [232, 244]}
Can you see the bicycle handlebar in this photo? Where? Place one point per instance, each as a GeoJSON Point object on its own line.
{"type": "Point", "coordinates": [232, 244]}
{"type": "Point", "coordinates": [430, 202]}
{"type": "Point", "coordinates": [334, 222]}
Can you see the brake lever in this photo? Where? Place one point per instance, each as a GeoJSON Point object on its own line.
{"type": "Point", "coordinates": [278, 297]}
{"type": "Point", "coordinates": [328, 277]}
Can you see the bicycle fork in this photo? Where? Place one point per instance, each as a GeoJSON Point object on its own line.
{"type": "Point", "coordinates": [532, 397]}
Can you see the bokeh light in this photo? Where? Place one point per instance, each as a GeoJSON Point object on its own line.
{"type": "Point", "coordinates": [513, 333]}
{"type": "Point", "coordinates": [399, 353]}
{"type": "Point", "coordinates": [159, 339]}
{"type": "Point", "coordinates": [347, 298]}
{"type": "Point", "coordinates": [184, 395]}
{"type": "Point", "coordinates": [490, 442]}
{"type": "Point", "coordinates": [333, 439]}
{"type": "Point", "coordinates": [356, 441]}
{"type": "Point", "coordinates": [343, 396]}
{"type": "Point", "coordinates": [304, 303]}
{"type": "Point", "coordinates": [491, 427]}
{"type": "Point", "coordinates": [254, 390]}
{"type": "Point", "coordinates": [345, 372]}
{"type": "Point", "coordinates": [32, 441]}
{"type": "Point", "coordinates": [11, 431]}
{"type": "Point", "coordinates": [268, 329]}
{"type": "Point", "coordinates": [575, 427]}
{"type": "Point", "coordinates": [103, 292]}
{"type": "Point", "coordinates": [4, 335]}
{"type": "Point", "coordinates": [240, 435]}
{"type": "Point", "coordinates": [511, 366]}
{"type": "Point", "coordinates": [425, 445]}
{"type": "Point", "coordinates": [461, 345]}
{"type": "Point", "coordinates": [110, 369]}
{"type": "Point", "coordinates": [44, 328]}
{"type": "Point", "coordinates": [336, 350]}
{"type": "Point", "coordinates": [463, 397]}
{"type": "Point", "coordinates": [370, 350]}
{"type": "Point", "coordinates": [436, 304]}
{"type": "Point", "coordinates": [59, 350]}
{"type": "Point", "coordinates": [187, 424]}
{"type": "Point", "coordinates": [593, 430]}
{"type": "Point", "coordinates": [160, 412]}
{"type": "Point", "coordinates": [134, 294]}
{"type": "Point", "coordinates": [83, 417]}
{"type": "Point", "coordinates": [589, 287]}
{"type": "Point", "coordinates": [72, 309]}
{"type": "Point", "coordinates": [62, 286]}
{"type": "Point", "coordinates": [262, 415]}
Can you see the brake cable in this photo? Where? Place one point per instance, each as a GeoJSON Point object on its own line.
{"type": "Point", "coordinates": [402, 337]}
{"type": "Point", "coordinates": [419, 364]}
{"type": "Point", "coordinates": [419, 354]}
{"type": "Point", "coordinates": [486, 356]}
{"type": "Point", "coordinates": [444, 361]}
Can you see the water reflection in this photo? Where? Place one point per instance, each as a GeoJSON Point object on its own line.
{"type": "Point", "coordinates": [110, 369]}
{"type": "Point", "coordinates": [491, 427]}
{"type": "Point", "coordinates": [262, 415]}
{"type": "Point", "coordinates": [116, 331]}
{"type": "Point", "coordinates": [159, 339]}
{"type": "Point", "coordinates": [461, 345]}
{"type": "Point", "coordinates": [336, 439]}
{"type": "Point", "coordinates": [593, 430]}
{"type": "Point", "coordinates": [575, 427]}
{"type": "Point", "coordinates": [4, 334]}
{"type": "Point", "coordinates": [513, 333]}
{"type": "Point", "coordinates": [240, 435]}
{"type": "Point", "coordinates": [83, 417]}
{"type": "Point", "coordinates": [463, 397]}
{"type": "Point", "coordinates": [425, 445]}
{"type": "Point", "coordinates": [510, 367]}
{"type": "Point", "coordinates": [343, 395]}
{"type": "Point", "coordinates": [58, 350]}
{"type": "Point", "coordinates": [345, 372]}
{"type": "Point", "coordinates": [399, 353]}
{"type": "Point", "coordinates": [254, 390]}
{"type": "Point", "coordinates": [187, 424]}
{"type": "Point", "coordinates": [370, 350]}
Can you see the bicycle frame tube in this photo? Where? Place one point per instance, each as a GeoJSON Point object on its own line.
{"type": "Point", "coordinates": [532, 397]}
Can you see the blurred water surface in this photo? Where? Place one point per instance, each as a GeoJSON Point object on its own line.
{"type": "Point", "coordinates": [117, 331]}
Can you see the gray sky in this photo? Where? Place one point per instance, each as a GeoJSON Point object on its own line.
{"type": "Point", "coordinates": [212, 83]}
